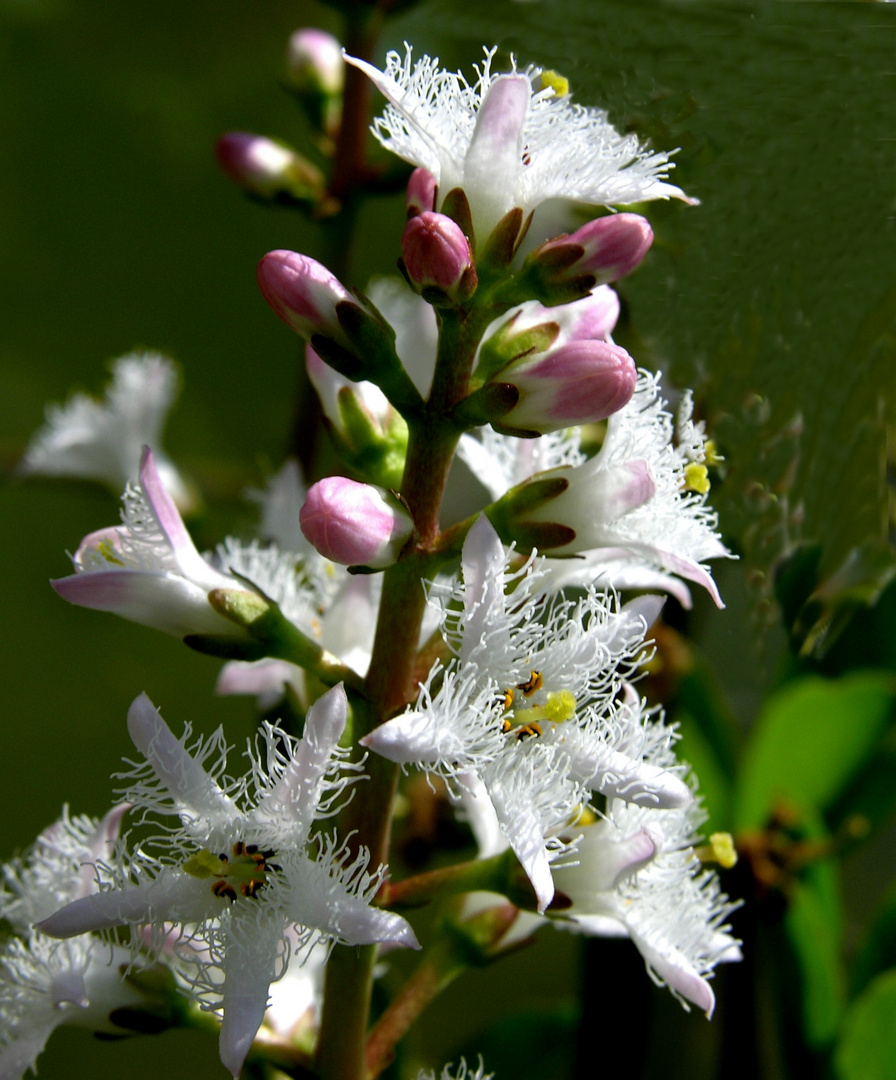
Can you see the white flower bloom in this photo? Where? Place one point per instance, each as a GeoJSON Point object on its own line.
{"type": "Point", "coordinates": [102, 440]}
{"type": "Point", "coordinates": [637, 523]}
{"type": "Point", "coordinates": [148, 569]}
{"type": "Point", "coordinates": [45, 984]}
{"type": "Point", "coordinates": [535, 705]}
{"type": "Point", "coordinates": [637, 876]}
{"type": "Point", "coordinates": [280, 501]}
{"type": "Point", "coordinates": [239, 875]}
{"type": "Point", "coordinates": [510, 140]}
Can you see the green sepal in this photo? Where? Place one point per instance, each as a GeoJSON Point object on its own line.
{"type": "Point", "coordinates": [456, 205]}
{"type": "Point", "coordinates": [378, 456]}
{"type": "Point", "coordinates": [487, 404]}
{"type": "Point", "coordinates": [504, 239]}
{"type": "Point", "coordinates": [505, 346]}
{"type": "Point", "coordinates": [372, 342]}
{"type": "Point", "coordinates": [508, 515]}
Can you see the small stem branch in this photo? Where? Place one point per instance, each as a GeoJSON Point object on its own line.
{"type": "Point", "coordinates": [485, 875]}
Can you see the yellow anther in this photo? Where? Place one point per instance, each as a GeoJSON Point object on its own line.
{"type": "Point", "coordinates": [108, 552]}
{"type": "Point", "coordinates": [585, 816]}
{"type": "Point", "coordinates": [696, 478]}
{"type": "Point", "coordinates": [723, 851]}
{"type": "Point", "coordinates": [713, 457]}
{"type": "Point", "coordinates": [533, 683]}
{"type": "Point", "coordinates": [557, 83]}
{"type": "Point", "coordinates": [560, 706]}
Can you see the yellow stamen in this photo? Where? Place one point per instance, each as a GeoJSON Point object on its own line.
{"type": "Point", "coordinates": [696, 478]}
{"type": "Point", "coordinates": [533, 683]}
{"type": "Point", "coordinates": [108, 552]}
{"type": "Point", "coordinates": [723, 851]}
{"type": "Point", "coordinates": [557, 83]}
{"type": "Point", "coordinates": [713, 457]}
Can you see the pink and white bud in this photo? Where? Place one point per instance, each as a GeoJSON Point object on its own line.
{"type": "Point", "coordinates": [581, 382]}
{"type": "Point", "coordinates": [421, 193]}
{"type": "Point", "coordinates": [354, 524]}
{"type": "Point", "coordinates": [266, 167]}
{"type": "Point", "coordinates": [606, 249]}
{"type": "Point", "coordinates": [438, 256]}
{"type": "Point", "coordinates": [304, 294]}
{"type": "Point", "coordinates": [314, 61]}
{"type": "Point", "coordinates": [329, 385]}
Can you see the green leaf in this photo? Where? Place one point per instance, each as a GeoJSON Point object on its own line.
{"type": "Point", "coordinates": [810, 740]}
{"type": "Point", "coordinates": [813, 922]}
{"type": "Point", "coordinates": [867, 1048]}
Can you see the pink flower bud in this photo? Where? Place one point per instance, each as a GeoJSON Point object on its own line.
{"type": "Point", "coordinates": [303, 293]}
{"type": "Point", "coordinates": [266, 167]}
{"type": "Point", "coordinates": [580, 382]}
{"type": "Point", "coordinates": [314, 60]}
{"type": "Point", "coordinates": [354, 524]}
{"type": "Point", "coordinates": [438, 256]}
{"type": "Point", "coordinates": [421, 193]}
{"type": "Point", "coordinates": [607, 249]}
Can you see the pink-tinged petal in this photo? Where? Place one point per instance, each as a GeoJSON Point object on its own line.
{"type": "Point", "coordinates": [619, 489]}
{"type": "Point", "coordinates": [172, 896]}
{"type": "Point", "coordinates": [250, 964]}
{"type": "Point", "coordinates": [493, 160]}
{"type": "Point", "coordinates": [353, 523]}
{"type": "Point", "coordinates": [421, 192]}
{"type": "Point", "coordinates": [263, 677]}
{"type": "Point", "coordinates": [96, 548]}
{"type": "Point", "coordinates": [438, 255]}
{"type": "Point", "coordinates": [687, 568]}
{"type": "Point", "coordinates": [151, 598]}
{"type": "Point", "coordinates": [303, 293]}
{"type": "Point", "coordinates": [168, 516]}
{"type": "Point", "coordinates": [671, 965]}
{"type": "Point", "coordinates": [411, 738]}
{"type": "Point", "coordinates": [525, 835]}
{"type": "Point", "coordinates": [482, 565]}
{"type": "Point", "coordinates": [100, 845]}
{"type": "Point", "coordinates": [189, 784]}
{"type": "Point", "coordinates": [298, 792]}
{"type": "Point", "coordinates": [596, 315]}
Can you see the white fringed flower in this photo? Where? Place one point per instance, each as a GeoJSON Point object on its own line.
{"type": "Point", "coordinates": [240, 875]}
{"type": "Point", "coordinates": [102, 440]}
{"type": "Point", "coordinates": [461, 1073]}
{"type": "Point", "coordinates": [535, 705]}
{"type": "Point", "coordinates": [637, 876]}
{"type": "Point", "coordinates": [45, 984]}
{"type": "Point", "coordinates": [511, 140]}
{"type": "Point", "coordinates": [639, 523]}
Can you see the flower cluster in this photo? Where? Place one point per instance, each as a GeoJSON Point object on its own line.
{"type": "Point", "coordinates": [498, 655]}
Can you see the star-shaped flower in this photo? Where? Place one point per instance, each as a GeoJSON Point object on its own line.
{"type": "Point", "coordinates": [102, 440]}
{"type": "Point", "coordinates": [45, 984]}
{"type": "Point", "coordinates": [536, 705]}
{"type": "Point", "coordinates": [240, 875]}
{"type": "Point", "coordinates": [509, 140]}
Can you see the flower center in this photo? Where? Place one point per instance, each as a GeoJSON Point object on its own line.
{"type": "Point", "coordinates": [243, 872]}
{"type": "Point", "coordinates": [525, 722]}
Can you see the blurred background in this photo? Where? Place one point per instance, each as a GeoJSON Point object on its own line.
{"type": "Point", "coordinates": [775, 299]}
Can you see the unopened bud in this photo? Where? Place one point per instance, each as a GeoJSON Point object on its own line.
{"type": "Point", "coordinates": [314, 60]}
{"type": "Point", "coordinates": [304, 294]}
{"type": "Point", "coordinates": [316, 72]}
{"type": "Point", "coordinates": [421, 193]}
{"type": "Point", "coordinates": [601, 251]}
{"type": "Point", "coordinates": [582, 382]}
{"type": "Point", "coordinates": [267, 168]}
{"type": "Point", "coordinates": [354, 524]}
{"type": "Point", "coordinates": [438, 259]}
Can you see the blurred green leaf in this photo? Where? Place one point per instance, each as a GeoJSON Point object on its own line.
{"type": "Point", "coordinates": [878, 951]}
{"type": "Point", "coordinates": [810, 740]}
{"type": "Point", "coordinates": [715, 788]}
{"type": "Point", "coordinates": [813, 923]}
{"type": "Point", "coordinates": [867, 1048]}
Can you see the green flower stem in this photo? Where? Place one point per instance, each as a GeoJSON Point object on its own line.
{"type": "Point", "coordinates": [484, 875]}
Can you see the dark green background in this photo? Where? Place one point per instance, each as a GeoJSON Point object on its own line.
{"type": "Point", "coordinates": [775, 297]}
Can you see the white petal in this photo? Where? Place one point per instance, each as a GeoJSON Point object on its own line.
{"type": "Point", "coordinates": [185, 778]}
{"type": "Point", "coordinates": [411, 738]}
{"type": "Point", "coordinates": [250, 964]}
{"type": "Point", "coordinates": [172, 897]}
{"type": "Point", "coordinates": [482, 563]}
{"type": "Point", "coordinates": [299, 789]}
{"type": "Point", "coordinates": [674, 969]}
{"type": "Point", "coordinates": [525, 835]}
